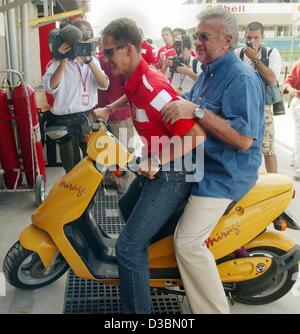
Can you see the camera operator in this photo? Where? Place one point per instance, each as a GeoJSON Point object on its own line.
{"type": "Point", "coordinates": [183, 69]}
{"type": "Point", "coordinates": [74, 83]}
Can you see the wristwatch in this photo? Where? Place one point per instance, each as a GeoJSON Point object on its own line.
{"type": "Point", "coordinates": [88, 61]}
{"type": "Point", "coordinates": [199, 112]}
{"type": "Point", "coordinates": [255, 62]}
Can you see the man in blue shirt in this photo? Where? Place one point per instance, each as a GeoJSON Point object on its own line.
{"type": "Point", "coordinates": [228, 102]}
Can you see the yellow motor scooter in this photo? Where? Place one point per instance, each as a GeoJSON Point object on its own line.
{"type": "Point", "coordinates": [256, 266]}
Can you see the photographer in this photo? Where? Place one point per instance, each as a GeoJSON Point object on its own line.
{"type": "Point", "coordinates": [267, 62]}
{"type": "Point", "coordinates": [73, 80]}
{"type": "Point", "coordinates": [187, 72]}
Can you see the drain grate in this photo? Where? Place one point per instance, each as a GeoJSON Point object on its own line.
{"type": "Point", "coordinates": [83, 296]}
{"type": "Point", "coordinates": [91, 297]}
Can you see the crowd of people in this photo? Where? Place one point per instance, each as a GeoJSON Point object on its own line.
{"type": "Point", "coordinates": [210, 92]}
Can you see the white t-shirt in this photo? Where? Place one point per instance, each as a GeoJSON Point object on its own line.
{"type": "Point", "coordinates": [274, 60]}
{"type": "Point", "coordinates": [68, 96]}
{"type": "Point", "coordinates": [183, 82]}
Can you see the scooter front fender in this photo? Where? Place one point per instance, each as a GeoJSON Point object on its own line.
{"type": "Point", "coordinates": [36, 240]}
{"type": "Point", "coordinates": [272, 239]}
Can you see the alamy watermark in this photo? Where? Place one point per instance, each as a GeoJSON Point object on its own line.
{"type": "Point", "coordinates": [187, 150]}
{"type": "Point", "coordinates": [2, 285]}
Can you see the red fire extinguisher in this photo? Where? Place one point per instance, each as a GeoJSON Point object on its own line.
{"type": "Point", "coordinates": [29, 133]}
{"type": "Point", "coordinates": [8, 151]}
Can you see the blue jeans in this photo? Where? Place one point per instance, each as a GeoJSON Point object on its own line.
{"type": "Point", "coordinates": [146, 207]}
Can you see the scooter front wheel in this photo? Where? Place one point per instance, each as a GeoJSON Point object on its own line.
{"type": "Point", "coordinates": [24, 269]}
{"type": "Point", "coordinates": [281, 283]}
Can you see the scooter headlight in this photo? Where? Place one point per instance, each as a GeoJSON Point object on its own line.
{"type": "Point", "coordinates": [118, 172]}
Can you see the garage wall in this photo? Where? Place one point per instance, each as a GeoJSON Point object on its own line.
{"type": "Point", "coordinates": [34, 47]}
{"type": "Point", "coordinates": [3, 63]}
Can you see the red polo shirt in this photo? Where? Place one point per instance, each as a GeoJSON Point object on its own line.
{"type": "Point", "coordinates": [169, 52]}
{"type": "Point", "coordinates": [149, 53]}
{"type": "Point", "coordinates": [148, 92]}
{"type": "Point", "coordinates": [293, 78]}
{"type": "Point", "coordinates": [114, 91]}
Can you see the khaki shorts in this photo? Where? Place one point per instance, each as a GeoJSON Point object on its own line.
{"type": "Point", "coordinates": [268, 146]}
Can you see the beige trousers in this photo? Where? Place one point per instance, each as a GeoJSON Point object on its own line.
{"type": "Point", "coordinates": [197, 266]}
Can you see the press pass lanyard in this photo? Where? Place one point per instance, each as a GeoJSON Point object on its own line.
{"type": "Point", "coordinates": [182, 77]}
{"type": "Point", "coordinates": [85, 94]}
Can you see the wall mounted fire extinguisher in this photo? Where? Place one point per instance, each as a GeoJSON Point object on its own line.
{"type": "Point", "coordinates": [28, 129]}
{"type": "Point", "coordinates": [8, 150]}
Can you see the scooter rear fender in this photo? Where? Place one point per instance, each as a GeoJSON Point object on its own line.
{"type": "Point", "coordinates": [38, 241]}
{"type": "Point", "coordinates": [272, 239]}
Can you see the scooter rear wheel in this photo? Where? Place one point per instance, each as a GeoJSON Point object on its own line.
{"type": "Point", "coordinates": [282, 283]}
{"type": "Point", "coordinates": [24, 269]}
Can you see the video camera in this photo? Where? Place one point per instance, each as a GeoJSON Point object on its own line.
{"type": "Point", "coordinates": [177, 60]}
{"type": "Point", "coordinates": [72, 36]}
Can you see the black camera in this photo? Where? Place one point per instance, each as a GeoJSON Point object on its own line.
{"type": "Point", "coordinates": [82, 49]}
{"type": "Point", "coordinates": [72, 36]}
{"type": "Point", "coordinates": [177, 60]}
{"type": "Point", "coordinates": [249, 44]}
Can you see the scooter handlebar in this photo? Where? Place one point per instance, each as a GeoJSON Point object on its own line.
{"type": "Point", "coordinates": [98, 124]}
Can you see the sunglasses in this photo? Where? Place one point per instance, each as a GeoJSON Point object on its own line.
{"type": "Point", "coordinates": [109, 52]}
{"type": "Point", "coordinates": [203, 37]}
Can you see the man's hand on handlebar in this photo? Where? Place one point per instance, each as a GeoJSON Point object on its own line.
{"type": "Point", "coordinates": [101, 114]}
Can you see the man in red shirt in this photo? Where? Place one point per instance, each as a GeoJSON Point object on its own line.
{"type": "Point", "coordinates": [149, 53]}
{"type": "Point", "coordinates": [166, 51]}
{"type": "Point", "coordinates": [153, 196]}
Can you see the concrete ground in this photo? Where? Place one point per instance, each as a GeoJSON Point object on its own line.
{"type": "Point", "coordinates": [16, 210]}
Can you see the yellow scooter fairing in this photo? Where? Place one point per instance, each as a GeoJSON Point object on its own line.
{"type": "Point", "coordinates": [66, 202]}
{"type": "Point", "coordinates": [243, 225]}
{"type": "Point", "coordinates": [106, 150]}
{"type": "Point", "coordinates": [36, 240]}
{"type": "Point", "coordinates": [252, 215]}
{"type": "Point", "coordinates": [244, 222]}
{"type": "Point", "coordinates": [69, 197]}
{"type": "Point", "coordinates": [161, 255]}
{"type": "Point", "coordinates": [72, 193]}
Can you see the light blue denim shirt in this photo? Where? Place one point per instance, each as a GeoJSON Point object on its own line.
{"type": "Point", "coordinates": [234, 91]}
